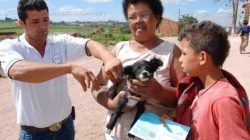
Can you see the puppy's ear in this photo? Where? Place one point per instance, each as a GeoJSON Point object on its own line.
{"type": "Point", "coordinates": [126, 71]}
{"type": "Point", "coordinates": [155, 63]}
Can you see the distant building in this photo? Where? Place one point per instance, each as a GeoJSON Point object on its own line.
{"type": "Point", "coordinates": [246, 6]}
{"type": "Point", "coordinates": [168, 27]}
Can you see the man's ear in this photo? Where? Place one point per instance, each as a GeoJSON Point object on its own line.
{"type": "Point", "coordinates": [21, 23]}
{"type": "Point", "coordinates": [126, 71]}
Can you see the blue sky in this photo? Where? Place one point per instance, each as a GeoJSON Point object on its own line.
{"type": "Point", "coordinates": [103, 10]}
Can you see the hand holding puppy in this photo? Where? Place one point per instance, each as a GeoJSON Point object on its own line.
{"type": "Point", "coordinates": [145, 89]}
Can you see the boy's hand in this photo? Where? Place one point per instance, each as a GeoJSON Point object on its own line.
{"type": "Point", "coordinates": [163, 117]}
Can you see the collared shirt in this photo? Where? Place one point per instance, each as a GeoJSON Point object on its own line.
{"type": "Point", "coordinates": [223, 108]}
{"type": "Point", "coordinates": [220, 110]}
{"type": "Point", "coordinates": [244, 29]}
{"type": "Point", "coordinates": [41, 104]}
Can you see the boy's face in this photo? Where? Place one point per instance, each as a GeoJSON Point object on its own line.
{"type": "Point", "coordinates": [190, 61]}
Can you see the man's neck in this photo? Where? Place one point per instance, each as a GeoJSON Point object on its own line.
{"type": "Point", "coordinates": [39, 45]}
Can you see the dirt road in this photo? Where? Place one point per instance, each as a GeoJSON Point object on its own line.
{"type": "Point", "coordinates": [90, 116]}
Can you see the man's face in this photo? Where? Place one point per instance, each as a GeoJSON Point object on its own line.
{"type": "Point", "coordinates": [36, 25]}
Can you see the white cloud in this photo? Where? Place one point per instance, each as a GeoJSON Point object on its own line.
{"type": "Point", "coordinates": [202, 11]}
{"type": "Point", "coordinates": [221, 16]}
{"type": "Point", "coordinates": [98, 1]}
{"type": "Point", "coordinates": [70, 13]}
{"type": "Point", "coordinates": [10, 13]}
{"type": "Point", "coordinates": [178, 1]}
{"type": "Point", "coordinates": [224, 11]}
{"type": "Point", "coordinates": [70, 8]}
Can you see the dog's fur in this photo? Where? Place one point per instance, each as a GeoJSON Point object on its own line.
{"type": "Point", "coordinates": [141, 70]}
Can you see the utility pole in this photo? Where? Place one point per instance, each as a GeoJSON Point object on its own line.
{"type": "Point", "coordinates": [235, 13]}
{"type": "Point", "coordinates": [179, 14]}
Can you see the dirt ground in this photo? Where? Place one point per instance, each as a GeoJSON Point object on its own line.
{"type": "Point", "coordinates": [90, 116]}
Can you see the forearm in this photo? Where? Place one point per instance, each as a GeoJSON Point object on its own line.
{"type": "Point", "coordinates": [35, 72]}
{"type": "Point", "coordinates": [101, 96]}
{"type": "Point", "coordinates": [98, 50]}
{"type": "Point", "coordinates": [167, 96]}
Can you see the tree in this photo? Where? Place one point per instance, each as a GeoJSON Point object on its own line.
{"type": "Point", "coordinates": [186, 20]}
{"type": "Point", "coordinates": [235, 4]}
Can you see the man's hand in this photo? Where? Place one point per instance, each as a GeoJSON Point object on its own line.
{"type": "Point", "coordinates": [111, 67]}
{"type": "Point", "coordinates": [85, 77]}
{"type": "Point", "coordinates": [111, 64]}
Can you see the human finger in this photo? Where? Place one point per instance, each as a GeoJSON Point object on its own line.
{"type": "Point", "coordinates": [111, 77]}
{"type": "Point", "coordinates": [95, 85]}
{"type": "Point", "coordinates": [87, 79]}
{"type": "Point", "coordinates": [162, 119]}
{"type": "Point", "coordinates": [141, 98]}
{"type": "Point", "coordinates": [137, 82]}
{"type": "Point", "coordinates": [83, 84]}
{"type": "Point", "coordinates": [115, 75]}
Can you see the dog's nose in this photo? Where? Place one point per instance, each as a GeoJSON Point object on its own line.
{"type": "Point", "coordinates": [145, 74]}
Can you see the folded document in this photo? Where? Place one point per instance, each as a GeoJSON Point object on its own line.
{"type": "Point", "coordinates": [150, 127]}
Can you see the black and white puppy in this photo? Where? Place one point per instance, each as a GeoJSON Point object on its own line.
{"type": "Point", "coordinates": [141, 70]}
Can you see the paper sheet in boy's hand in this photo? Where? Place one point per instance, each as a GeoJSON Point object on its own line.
{"type": "Point", "coordinates": [149, 127]}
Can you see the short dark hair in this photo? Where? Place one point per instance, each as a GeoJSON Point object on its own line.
{"type": "Point", "coordinates": [209, 37]}
{"type": "Point", "coordinates": [245, 22]}
{"type": "Point", "coordinates": [155, 6]}
{"type": "Point", "coordinates": [30, 5]}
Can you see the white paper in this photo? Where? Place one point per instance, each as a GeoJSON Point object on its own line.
{"type": "Point", "coordinates": [149, 127]}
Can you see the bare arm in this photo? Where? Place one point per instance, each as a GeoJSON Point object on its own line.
{"type": "Point", "coordinates": [36, 72]}
{"type": "Point", "coordinates": [101, 95]}
{"type": "Point", "coordinates": [111, 64]}
{"type": "Point", "coordinates": [168, 94]}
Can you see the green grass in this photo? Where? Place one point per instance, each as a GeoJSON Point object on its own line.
{"type": "Point", "coordinates": [10, 27]}
{"type": "Point", "coordinates": [107, 35]}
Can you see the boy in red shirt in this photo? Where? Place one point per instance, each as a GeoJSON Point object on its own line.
{"type": "Point", "coordinates": [210, 100]}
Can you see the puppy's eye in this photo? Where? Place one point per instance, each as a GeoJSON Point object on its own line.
{"type": "Point", "coordinates": [139, 67]}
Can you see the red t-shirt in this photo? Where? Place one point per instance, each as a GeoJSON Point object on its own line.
{"type": "Point", "coordinates": [217, 114]}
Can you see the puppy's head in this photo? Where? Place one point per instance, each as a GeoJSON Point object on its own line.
{"type": "Point", "coordinates": [141, 70]}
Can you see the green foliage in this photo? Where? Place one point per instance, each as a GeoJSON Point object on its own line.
{"type": "Point", "coordinates": [10, 27]}
{"type": "Point", "coordinates": [108, 35]}
{"type": "Point", "coordinates": [186, 20]}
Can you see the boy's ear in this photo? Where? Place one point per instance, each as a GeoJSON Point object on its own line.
{"type": "Point", "coordinates": [203, 58]}
{"type": "Point", "coordinates": [126, 71]}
